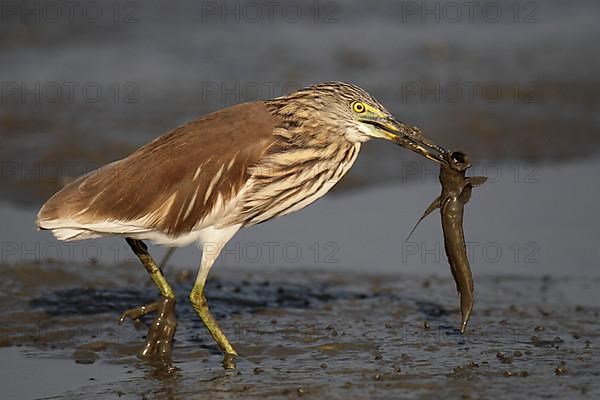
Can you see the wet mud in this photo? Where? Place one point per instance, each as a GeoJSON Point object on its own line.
{"type": "Point", "coordinates": [304, 333]}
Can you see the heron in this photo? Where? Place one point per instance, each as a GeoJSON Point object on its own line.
{"type": "Point", "coordinates": [205, 180]}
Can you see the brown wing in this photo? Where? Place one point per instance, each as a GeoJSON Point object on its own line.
{"type": "Point", "coordinates": [173, 182]}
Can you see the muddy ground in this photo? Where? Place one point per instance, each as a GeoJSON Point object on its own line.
{"type": "Point", "coordinates": [334, 334]}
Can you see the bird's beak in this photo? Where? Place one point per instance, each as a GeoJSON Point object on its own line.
{"type": "Point", "coordinates": [410, 137]}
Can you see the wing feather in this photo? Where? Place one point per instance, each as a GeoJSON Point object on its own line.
{"type": "Point", "coordinates": [172, 183]}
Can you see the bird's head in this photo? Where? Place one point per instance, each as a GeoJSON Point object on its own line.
{"type": "Point", "coordinates": [349, 110]}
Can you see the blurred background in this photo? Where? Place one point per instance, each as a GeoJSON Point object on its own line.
{"type": "Point", "coordinates": [86, 84]}
{"type": "Point", "coordinates": [514, 84]}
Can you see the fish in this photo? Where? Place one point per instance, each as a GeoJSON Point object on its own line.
{"type": "Point", "coordinates": [456, 192]}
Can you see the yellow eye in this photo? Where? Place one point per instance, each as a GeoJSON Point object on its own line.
{"type": "Point", "coordinates": [358, 107]}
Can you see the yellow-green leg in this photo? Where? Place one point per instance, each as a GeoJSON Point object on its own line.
{"type": "Point", "coordinates": [210, 252]}
{"type": "Point", "coordinates": [160, 335]}
{"type": "Point", "coordinates": [201, 306]}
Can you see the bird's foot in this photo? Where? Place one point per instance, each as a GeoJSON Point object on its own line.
{"type": "Point", "coordinates": [159, 339]}
{"type": "Point", "coordinates": [229, 360]}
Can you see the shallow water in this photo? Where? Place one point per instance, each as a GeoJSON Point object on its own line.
{"type": "Point", "coordinates": [344, 325]}
{"type": "Point", "coordinates": [317, 333]}
{"type": "Point", "coordinates": [528, 220]}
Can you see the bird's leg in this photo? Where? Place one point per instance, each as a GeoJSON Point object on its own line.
{"type": "Point", "coordinates": [160, 335]}
{"type": "Point", "coordinates": [210, 252]}
{"type": "Point", "coordinates": [201, 306]}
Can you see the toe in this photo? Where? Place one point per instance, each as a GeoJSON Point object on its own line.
{"type": "Point", "coordinates": [229, 361]}
{"type": "Point", "coordinates": [136, 313]}
{"type": "Point", "coordinates": [151, 346]}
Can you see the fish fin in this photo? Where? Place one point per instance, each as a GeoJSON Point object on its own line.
{"type": "Point", "coordinates": [435, 204]}
{"type": "Point", "coordinates": [472, 182]}
{"type": "Point", "coordinates": [477, 180]}
{"type": "Point", "coordinates": [465, 195]}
